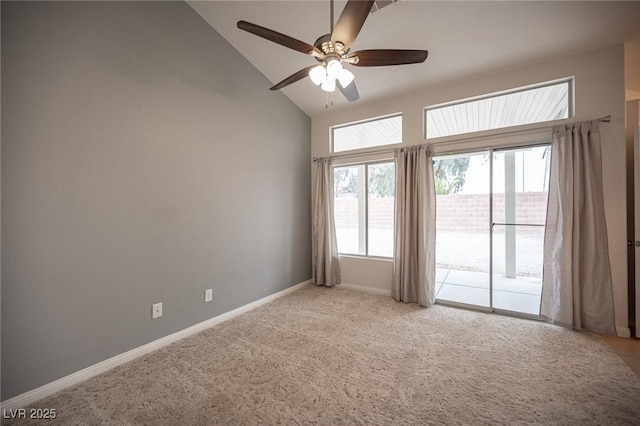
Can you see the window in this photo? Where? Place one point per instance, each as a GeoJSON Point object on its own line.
{"type": "Point", "coordinates": [375, 132]}
{"type": "Point", "coordinates": [548, 102]}
{"type": "Point", "coordinates": [364, 208]}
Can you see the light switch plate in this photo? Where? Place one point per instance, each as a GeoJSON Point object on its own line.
{"type": "Point", "coordinates": [156, 310]}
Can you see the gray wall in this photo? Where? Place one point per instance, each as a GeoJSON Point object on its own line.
{"type": "Point", "coordinates": [143, 160]}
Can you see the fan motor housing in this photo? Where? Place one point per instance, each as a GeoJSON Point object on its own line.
{"type": "Point", "coordinates": [324, 44]}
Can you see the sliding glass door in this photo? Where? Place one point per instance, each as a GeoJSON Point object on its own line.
{"type": "Point", "coordinates": [520, 190]}
{"type": "Point", "coordinates": [462, 228]}
{"type": "Point", "coordinates": [491, 209]}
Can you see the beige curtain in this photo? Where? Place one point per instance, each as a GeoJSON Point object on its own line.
{"type": "Point", "coordinates": [325, 268]}
{"type": "Point", "coordinates": [576, 285]}
{"type": "Point", "coordinates": [414, 262]}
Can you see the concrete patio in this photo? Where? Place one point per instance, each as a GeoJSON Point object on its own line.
{"type": "Point", "coordinates": [520, 294]}
{"type": "Point", "coordinates": [462, 270]}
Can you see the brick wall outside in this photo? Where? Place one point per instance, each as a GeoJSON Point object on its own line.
{"type": "Point", "coordinates": [380, 212]}
{"type": "Point", "coordinates": [470, 212]}
{"type": "Point", "coordinates": [457, 212]}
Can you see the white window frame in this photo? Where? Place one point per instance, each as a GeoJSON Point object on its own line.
{"type": "Point", "coordinates": [570, 81]}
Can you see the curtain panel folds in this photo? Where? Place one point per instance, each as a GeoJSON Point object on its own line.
{"type": "Point", "coordinates": [576, 285]}
{"type": "Point", "coordinates": [325, 266]}
{"type": "Point", "coordinates": [414, 263]}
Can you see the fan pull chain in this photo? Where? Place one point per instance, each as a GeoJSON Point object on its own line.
{"type": "Point", "coordinates": [326, 99]}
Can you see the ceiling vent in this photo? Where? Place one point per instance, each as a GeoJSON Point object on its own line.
{"type": "Point", "coordinates": [379, 4]}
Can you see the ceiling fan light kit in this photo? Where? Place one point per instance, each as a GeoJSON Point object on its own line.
{"type": "Point", "coordinates": [326, 77]}
{"type": "Point", "coordinates": [333, 49]}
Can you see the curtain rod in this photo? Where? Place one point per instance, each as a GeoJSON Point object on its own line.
{"type": "Point", "coordinates": [358, 154]}
{"type": "Point", "coordinates": [605, 119]}
{"type": "Point", "coordinates": [371, 152]}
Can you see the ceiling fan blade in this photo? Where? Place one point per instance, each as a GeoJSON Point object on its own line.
{"type": "Point", "coordinates": [350, 22]}
{"type": "Point", "coordinates": [293, 78]}
{"type": "Point", "coordinates": [279, 38]}
{"type": "Point", "coordinates": [382, 57]}
{"type": "Point", "coordinates": [350, 92]}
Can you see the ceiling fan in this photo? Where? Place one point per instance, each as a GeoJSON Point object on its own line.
{"type": "Point", "coordinates": [333, 49]}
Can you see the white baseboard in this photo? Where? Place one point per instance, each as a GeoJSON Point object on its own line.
{"type": "Point", "coordinates": [27, 398]}
{"type": "Point", "coordinates": [365, 289]}
{"type": "Point", "coordinates": [623, 332]}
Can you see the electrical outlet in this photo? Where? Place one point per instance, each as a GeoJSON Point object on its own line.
{"type": "Point", "coordinates": [208, 295]}
{"type": "Point", "coordinates": [156, 310]}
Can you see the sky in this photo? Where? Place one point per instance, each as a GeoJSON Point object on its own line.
{"type": "Point", "coordinates": [531, 171]}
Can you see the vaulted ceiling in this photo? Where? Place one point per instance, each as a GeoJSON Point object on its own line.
{"type": "Point", "coordinates": [463, 38]}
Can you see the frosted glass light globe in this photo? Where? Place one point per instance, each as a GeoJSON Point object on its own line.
{"type": "Point", "coordinates": [345, 77]}
{"type": "Point", "coordinates": [333, 69]}
{"type": "Point", "coordinates": [317, 75]}
{"type": "Point", "coordinates": [329, 85]}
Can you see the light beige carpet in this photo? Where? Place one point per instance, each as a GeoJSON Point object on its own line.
{"type": "Point", "coordinates": [331, 357]}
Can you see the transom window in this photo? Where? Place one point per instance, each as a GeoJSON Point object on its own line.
{"type": "Point", "coordinates": [366, 134]}
{"type": "Point", "coordinates": [547, 102]}
{"type": "Point", "coordinates": [364, 207]}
